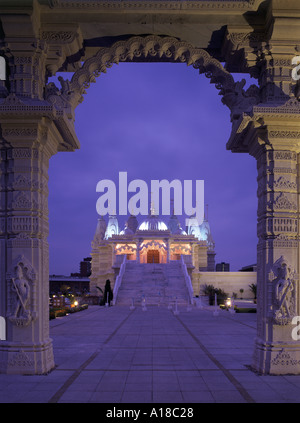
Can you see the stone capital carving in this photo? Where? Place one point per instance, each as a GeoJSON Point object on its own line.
{"type": "Point", "coordinates": [242, 39]}
{"type": "Point", "coordinates": [265, 130]}
{"type": "Point", "coordinates": [58, 37]}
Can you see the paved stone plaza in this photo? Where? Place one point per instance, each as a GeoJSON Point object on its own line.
{"type": "Point", "coordinates": [118, 355]}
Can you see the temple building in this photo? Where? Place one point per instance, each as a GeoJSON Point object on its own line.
{"type": "Point", "coordinates": [153, 241]}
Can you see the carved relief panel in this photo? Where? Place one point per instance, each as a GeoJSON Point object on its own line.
{"type": "Point", "coordinates": [21, 301]}
{"type": "Point", "coordinates": [283, 292]}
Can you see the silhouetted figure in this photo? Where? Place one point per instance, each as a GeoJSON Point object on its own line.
{"type": "Point", "coordinates": [108, 294]}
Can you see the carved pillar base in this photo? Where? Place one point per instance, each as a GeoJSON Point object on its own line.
{"type": "Point", "coordinates": [277, 358]}
{"type": "Point", "coordinates": [25, 358]}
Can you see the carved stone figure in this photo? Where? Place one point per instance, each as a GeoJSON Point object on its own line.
{"type": "Point", "coordinates": [20, 286]}
{"type": "Point", "coordinates": [284, 292]}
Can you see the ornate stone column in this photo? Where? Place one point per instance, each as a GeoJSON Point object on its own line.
{"type": "Point", "coordinates": [138, 248]}
{"type": "Point", "coordinates": [168, 249]}
{"type": "Point", "coordinates": [35, 123]}
{"type": "Point", "coordinates": [276, 151]}
{"type": "Point", "coordinates": [270, 131]}
{"type": "Point", "coordinates": [24, 250]}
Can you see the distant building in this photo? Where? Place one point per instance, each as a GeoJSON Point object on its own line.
{"type": "Point", "coordinates": [250, 268]}
{"type": "Point", "coordinates": [77, 283]}
{"type": "Point", "coordinates": [72, 284]}
{"type": "Point", "coordinates": [85, 267]}
{"type": "Point", "coordinates": [223, 267]}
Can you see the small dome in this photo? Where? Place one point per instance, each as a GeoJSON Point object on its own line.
{"type": "Point", "coordinates": [112, 227]}
{"type": "Point", "coordinates": [179, 230]}
{"type": "Point", "coordinates": [100, 230]}
{"type": "Point", "coordinates": [193, 227]}
{"type": "Point", "coordinates": [173, 224]}
{"type": "Point", "coordinates": [206, 235]}
{"type": "Point", "coordinates": [132, 223]}
{"type": "Point", "coordinates": [126, 230]}
{"type": "Point", "coordinates": [153, 223]}
{"type": "Point", "coordinates": [205, 230]}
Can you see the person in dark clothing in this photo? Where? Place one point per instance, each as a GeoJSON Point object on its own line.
{"type": "Point", "coordinates": [108, 293]}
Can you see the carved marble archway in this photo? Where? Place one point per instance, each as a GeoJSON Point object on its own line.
{"type": "Point", "coordinates": [259, 118]}
{"type": "Point", "coordinates": [159, 49]}
{"type": "Point", "coordinates": [41, 37]}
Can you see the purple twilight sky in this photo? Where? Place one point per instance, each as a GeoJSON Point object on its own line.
{"type": "Point", "coordinates": [154, 121]}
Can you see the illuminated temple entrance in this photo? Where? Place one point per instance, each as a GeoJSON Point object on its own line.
{"type": "Point", "coordinates": [151, 242]}
{"type": "Point", "coordinates": [152, 256]}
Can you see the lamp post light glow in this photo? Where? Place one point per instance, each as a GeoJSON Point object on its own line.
{"type": "Point", "coordinates": [228, 302]}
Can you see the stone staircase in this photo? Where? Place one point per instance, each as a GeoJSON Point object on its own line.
{"type": "Point", "coordinates": [157, 283]}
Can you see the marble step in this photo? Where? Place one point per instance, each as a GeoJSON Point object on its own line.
{"type": "Point", "coordinates": [157, 283]}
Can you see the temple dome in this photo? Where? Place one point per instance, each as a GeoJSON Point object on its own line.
{"type": "Point", "coordinates": [206, 235]}
{"type": "Point", "coordinates": [153, 223]}
{"type": "Point", "coordinates": [179, 230]}
{"type": "Point", "coordinates": [127, 230]}
{"type": "Point", "coordinates": [100, 230]}
{"type": "Point", "coordinates": [193, 227]}
{"type": "Point", "coordinates": [132, 223]}
{"type": "Point", "coordinates": [112, 227]}
{"type": "Point", "coordinates": [173, 224]}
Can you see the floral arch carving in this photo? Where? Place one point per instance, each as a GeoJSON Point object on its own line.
{"type": "Point", "coordinates": [155, 48]}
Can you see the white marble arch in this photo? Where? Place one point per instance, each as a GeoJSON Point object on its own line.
{"type": "Point", "coordinates": [37, 121]}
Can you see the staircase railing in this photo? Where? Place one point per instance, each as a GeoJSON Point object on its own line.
{"type": "Point", "coordinates": [119, 279]}
{"type": "Point", "coordinates": [187, 279]}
